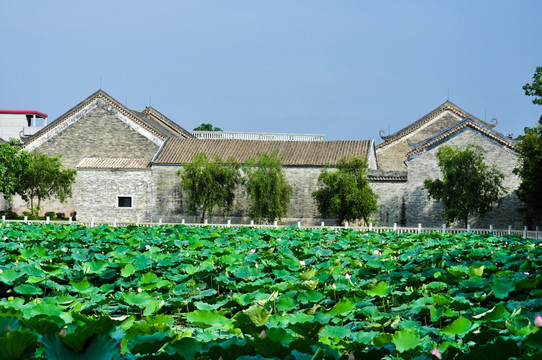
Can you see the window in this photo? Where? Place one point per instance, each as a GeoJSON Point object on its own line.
{"type": "Point", "coordinates": [124, 201]}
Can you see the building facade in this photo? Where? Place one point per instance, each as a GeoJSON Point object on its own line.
{"type": "Point", "coordinates": [128, 160]}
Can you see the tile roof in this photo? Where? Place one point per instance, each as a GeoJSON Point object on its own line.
{"type": "Point", "coordinates": [446, 106]}
{"type": "Point", "coordinates": [167, 126]}
{"type": "Point", "coordinates": [315, 153]}
{"type": "Point", "coordinates": [474, 124]}
{"type": "Point", "coordinates": [158, 125]}
{"type": "Point", "coordinates": [114, 163]}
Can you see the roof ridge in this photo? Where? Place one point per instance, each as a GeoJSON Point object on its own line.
{"type": "Point", "coordinates": [474, 123]}
{"type": "Point", "coordinates": [445, 106]}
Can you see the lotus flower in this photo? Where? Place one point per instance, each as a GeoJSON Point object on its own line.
{"type": "Point", "coordinates": [139, 290]}
{"type": "Point", "coordinates": [347, 276]}
{"type": "Point", "coordinates": [1, 271]}
{"type": "Point", "coordinates": [437, 353]}
{"type": "Point", "coordinates": [256, 265]}
{"type": "Point", "coordinates": [302, 262]}
{"type": "Point", "coordinates": [253, 251]}
{"type": "Point", "coordinates": [538, 320]}
{"type": "Point", "coordinates": [147, 247]}
{"type": "Point", "coordinates": [334, 286]}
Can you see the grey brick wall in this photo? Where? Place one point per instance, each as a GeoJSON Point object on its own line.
{"type": "Point", "coordinates": [99, 200]}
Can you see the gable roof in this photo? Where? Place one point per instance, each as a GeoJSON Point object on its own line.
{"type": "Point", "coordinates": [168, 126]}
{"type": "Point", "coordinates": [309, 153]}
{"type": "Point", "coordinates": [467, 123]}
{"type": "Point", "coordinates": [156, 125]}
{"type": "Point", "coordinates": [446, 106]}
{"type": "Point", "coordinates": [114, 163]}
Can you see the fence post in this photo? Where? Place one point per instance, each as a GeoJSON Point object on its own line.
{"type": "Point", "coordinates": [394, 226]}
{"type": "Point", "coordinates": [3, 218]}
{"type": "Point", "coordinates": [346, 224]}
{"type": "Point", "coordinates": [275, 223]}
{"type": "Point", "coordinates": [229, 222]}
{"type": "Point", "coordinates": [323, 224]}
{"type": "Point", "coordinates": [443, 228]}
{"type": "Point", "coordinates": [491, 228]}
{"type": "Point", "coordinates": [525, 232]}
{"type": "Point", "coordinates": [159, 221]}
{"type": "Point", "coordinates": [299, 224]}
{"type": "Point", "coordinates": [468, 227]}
{"type": "Point", "coordinates": [419, 228]}
{"type": "Point", "coordinates": [47, 220]}
{"type": "Point", "coordinates": [370, 226]}
{"type": "Point", "coordinates": [70, 220]}
{"type": "Point", "coordinates": [205, 222]}
{"type": "Point", "coordinates": [509, 229]}
{"type": "Point", "coordinates": [182, 221]}
{"type": "Point", "coordinates": [26, 219]}
{"type": "Point", "coordinates": [115, 222]}
{"type": "Point", "coordinates": [92, 222]}
{"type": "Point", "coordinates": [536, 233]}
{"type": "Point", "coordinates": [251, 222]}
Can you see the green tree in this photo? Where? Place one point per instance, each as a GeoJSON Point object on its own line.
{"type": "Point", "coordinates": [345, 194]}
{"type": "Point", "coordinates": [267, 187]}
{"type": "Point", "coordinates": [13, 163]}
{"type": "Point", "coordinates": [529, 147]}
{"type": "Point", "coordinates": [209, 183]}
{"type": "Point", "coordinates": [44, 178]}
{"type": "Point", "coordinates": [207, 127]}
{"type": "Point", "coordinates": [469, 186]}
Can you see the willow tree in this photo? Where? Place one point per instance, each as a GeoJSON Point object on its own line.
{"type": "Point", "coordinates": [268, 189]}
{"type": "Point", "coordinates": [209, 184]}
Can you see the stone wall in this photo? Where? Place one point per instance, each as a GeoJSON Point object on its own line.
{"type": "Point", "coordinates": [171, 204]}
{"type": "Point", "coordinates": [98, 131]}
{"type": "Point", "coordinates": [425, 165]}
{"type": "Point", "coordinates": [391, 196]}
{"type": "Point", "coordinates": [102, 187]}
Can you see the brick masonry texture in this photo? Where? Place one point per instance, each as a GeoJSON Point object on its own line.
{"type": "Point", "coordinates": [102, 187]}
{"type": "Point", "coordinates": [99, 133]}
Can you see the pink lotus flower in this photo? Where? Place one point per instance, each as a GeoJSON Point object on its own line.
{"type": "Point", "coordinates": [538, 320]}
{"type": "Point", "coordinates": [1, 271]}
{"type": "Point", "coordinates": [139, 290]}
{"type": "Point", "coordinates": [256, 265]}
{"type": "Point", "coordinates": [302, 262]}
{"type": "Point", "coordinates": [360, 264]}
{"type": "Point", "coordinates": [437, 353]}
{"type": "Point", "coordinates": [253, 251]}
{"type": "Point", "coordinates": [334, 286]}
{"type": "Point", "coordinates": [347, 276]}
{"type": "Point", "coordinates": [147, 247]}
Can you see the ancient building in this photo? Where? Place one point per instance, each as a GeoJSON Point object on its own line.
{"type": "Point", "coordinates": [127, 163]}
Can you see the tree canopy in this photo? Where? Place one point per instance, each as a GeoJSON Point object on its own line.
{"type": "Point", "coordinates": [45, 178]}
{"type": "Point", "coordinates": [13, 163]}
{"type": "Point", "coordinates": [209, 183]}
{"type": "Point", "coordinates": [345, 194]}
{"type": "Point", "coordinates": [529, 147]}
{"type": "Point", "coordinates": [267, 187]}
{"type": "Point", "coordinates": [207, 127]}
{"type": "Point", "coordinates": [468, 186]}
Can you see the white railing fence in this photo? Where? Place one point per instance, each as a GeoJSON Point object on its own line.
{"type": "Point", "coordinates": [524, 233]}
{"type": "Point", "coordinates": [256, 136]}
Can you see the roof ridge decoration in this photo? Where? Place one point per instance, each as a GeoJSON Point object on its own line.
{"type": "Point", "coordinates": [150, 111]}
{"type": "Point", "coordinates": [100, 94]}
{"type": "Point", "coordinates": [446, 106]}
{"type": "Point", "coordinates": [468, 122]}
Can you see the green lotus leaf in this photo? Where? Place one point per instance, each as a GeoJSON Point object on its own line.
{"type": "Point", "coordinates": [442, 299]}
{"type": "Point", "coordinates": [381, 289]}
{"type": "Point", "coordinates": [501, 288]}
{"type": "Point", "coordinates": [500, 349]}
{"type": "Point", "coordinates": [82, 286]}
{"type": "Point", "coordinates": [148, 344]}
{"type": "Point", "coordinates": [458, 270]}
{"type": "Point", "coordinates": [148, 278]}
{"type": "Point", "coordinates": [99, 347]}
{"type": "Point", "coordinates": [312, 296]}
{"type": "Point", "coordinates": [207, 318]}
{"type": "Point", "coordinates": [14, 344]}
{"type": "Point", "coordinates": [140, 300]}
{"type": "Point", "coordinates": [342, 307]}
{"type": "Point", "coordinates": [476, 271]}
{"type": "Point", "coordinates": [495, 313]}
{"type": "Point", "coordinates": [9, 276]}
{"type": "Point", "coordinates": [459, 326]}
{"type": "Point", "coordinates": [405, 340]}
{"type": "Point", "coordinates": [27, 289]}
{"type": "Point", "coordinates": [336, 331]}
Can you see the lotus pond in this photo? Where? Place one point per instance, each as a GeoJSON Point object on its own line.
{"type": "Point", "coordinates": [179, 292]}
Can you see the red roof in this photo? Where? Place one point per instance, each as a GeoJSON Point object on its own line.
{"type": "Point", "coordinates": [26, 112]}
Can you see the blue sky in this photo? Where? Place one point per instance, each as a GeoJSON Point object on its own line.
{"type": "Point", "coordinates": [345, 69]}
